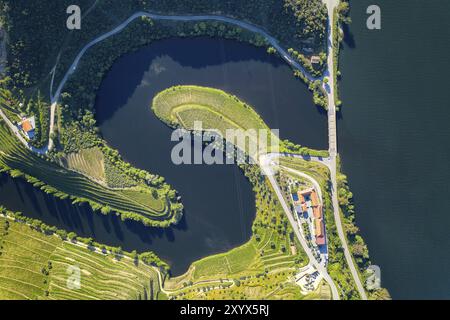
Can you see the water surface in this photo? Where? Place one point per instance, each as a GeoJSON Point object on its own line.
{"type": "Point", "coordinates": [218, 199]}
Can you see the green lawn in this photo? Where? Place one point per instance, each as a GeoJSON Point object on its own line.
{"type": "Point", "coordinates": [35, 266]}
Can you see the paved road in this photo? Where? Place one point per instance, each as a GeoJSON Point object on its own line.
{"type": "Point", "coordinates": [265, 164]}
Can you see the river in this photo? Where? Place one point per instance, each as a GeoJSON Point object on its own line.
{"type": "Point", "coordinates": [218, 199]}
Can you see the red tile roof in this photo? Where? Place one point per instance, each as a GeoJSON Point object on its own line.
{"type": "Point", "coordinates": [318, 223]}
{"type": "Point", "coordinates": [26, 126]}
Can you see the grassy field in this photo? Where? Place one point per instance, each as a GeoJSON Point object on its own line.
{"type": "Point", "coordinates": [137, 203]}
{"type": "Point", "coordinates": [263, 268]}
{"type": "Point", "coordinates": [37, 266]}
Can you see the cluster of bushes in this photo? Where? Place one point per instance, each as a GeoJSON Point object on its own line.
{"type": "Point", "coordinates": [310, 16]}
{"type": "Point", "coordinates": [357, 245]}
{"type": "Point", "coordinates": [77, 128]}
{"type": "Point", "coordinates": [320, 98]}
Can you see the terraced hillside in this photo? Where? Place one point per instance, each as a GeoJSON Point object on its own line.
{"type": "Point", "coordinates": [140, 203]}
{"type": "Point", "coordinates": [37, 266]}
{"type": "Point", "coordinates": [337, 265]}
{"type": "Point", "coordinates": [263, 268]}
